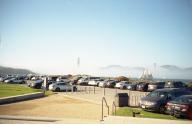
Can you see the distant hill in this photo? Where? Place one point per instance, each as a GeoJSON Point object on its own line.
{"type": "Point", "coordinates": [11, 71]}
{"type": "Point", "coordinates": [171, 67]}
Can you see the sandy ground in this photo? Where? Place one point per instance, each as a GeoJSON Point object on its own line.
{"type": "Point", "coordinates": [56, 106]}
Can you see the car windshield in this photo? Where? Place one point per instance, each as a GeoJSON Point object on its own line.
{"type": "Point", "coordinates": [183, 100]}
{"type": "Point", "coordinates": [157, 94]}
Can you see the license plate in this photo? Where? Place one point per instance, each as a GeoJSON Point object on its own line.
{"type": "Point", "coordinates": [143, 106]}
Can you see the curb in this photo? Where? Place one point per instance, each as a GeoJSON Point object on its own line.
{"type": "Point", "coordinates": [23, 97]}
{"type": "Point", "coordinates": [27, 118]}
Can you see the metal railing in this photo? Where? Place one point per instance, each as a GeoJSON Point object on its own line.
{"type": "Point", "coordinates": [102, 113]}
{"type": "Point", "coordinates": [114, 108]}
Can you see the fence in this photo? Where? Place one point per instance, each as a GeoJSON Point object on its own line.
{"type": "Point", "coordinates": [134, 98]}
{"type": "Point", "coordinates": [109, 93]}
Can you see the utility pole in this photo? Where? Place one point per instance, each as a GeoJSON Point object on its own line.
{"type": "Point", "coordinates": [78, 62]}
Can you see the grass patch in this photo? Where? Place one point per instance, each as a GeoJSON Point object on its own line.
{"type": "Point", "coordinates": [48, 93]}
{"type": "Point", "coordinates": [15, 89]}
{"type": "Point", "coordinates": [127, 111]}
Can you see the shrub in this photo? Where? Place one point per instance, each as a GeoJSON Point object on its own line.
{"type": "Point", "coordinates": [122, 78]}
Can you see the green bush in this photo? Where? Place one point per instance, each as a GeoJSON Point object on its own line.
{"type": "Point", "coordinates": [189, 85]}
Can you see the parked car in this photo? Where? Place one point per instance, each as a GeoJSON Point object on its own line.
{"type": "Point", "coordinates": [94, 82]}
{"type": "Point", "coordinates": [83, 81]}
{"type": "Point", "coordinates": [174, 84]}
{"type": "Point", "coordinates": [36, 84]}
{"type": "Point", "coordinates": [18, 81]}
{"type": "Point", "coordinates": [122, 84]}
{"type": "Point", "coordinates": [180, 107]}
{"type": "Point", "coordinates": [131, 86]}
{"type": "Point", "coordinates": [142, 86]}
{"type": "Point", "coordinates": [103, 83]}
{"type": "Point", "coordinates": [156, 85]}
{"type": "Point", "coordinates": [9, 80]}
{"type": "Point", "coordinates": [62, 86]}
{"type": "Point", "coordinates": [2, 79]}
{"type": "Point", "coordinates": [75, 80]}
{"type": "Point", "coordinates": [111, 83]}
{"type": "Point", "coordinates": [49, 82]}
{"type": "Point", "coordinates": [156, 100]}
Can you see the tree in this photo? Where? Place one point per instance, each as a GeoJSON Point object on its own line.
{"type": "Point", "coordinates": [189, 85]}
{"type": "Point", "coordinates": [122, 78]}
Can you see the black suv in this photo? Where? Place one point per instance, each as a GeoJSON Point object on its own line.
{"type": "Point", "coordinates": [156, 100]}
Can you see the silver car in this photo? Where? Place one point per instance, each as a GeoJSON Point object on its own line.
{"type": "Point", "coordinates": [62, 86]}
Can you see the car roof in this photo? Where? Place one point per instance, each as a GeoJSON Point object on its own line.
{"type": "Point", "coordinates": [60, 82]}
{"type": "Point", "coordinates": [157, 82]}
{"type": "Point", "coordinates": [186, 96]}
{"type": "Point", "coordinates": [173, 82]}
{"type": "Point", "coordinates": [171, 89]}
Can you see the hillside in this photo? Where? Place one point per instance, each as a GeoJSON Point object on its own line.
{"type": "Point", "coordinates": [11, 71]}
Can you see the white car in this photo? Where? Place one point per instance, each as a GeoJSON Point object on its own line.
{"type": "Point", "coordinates": [122, 84]}
{"type": "Point", "coordinates": [1, 79]}
{"type": "Point", "coordinates": [9, 80]}
{"type": "Point", "coordinates": [83, 81]}
{"type": "Point", "coordinates": [103, 83]}
{"type": "Point", "coordinates": [62, 86]}
{"type": "Point", "coordinates": [94, 82]}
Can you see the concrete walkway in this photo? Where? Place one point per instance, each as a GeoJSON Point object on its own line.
{"type": "Point", "coordinates": [107, 120]}
{"type": "Point", "coordinates": [132, 120]}
{"type": "Point", "coordinates": [43, 120]}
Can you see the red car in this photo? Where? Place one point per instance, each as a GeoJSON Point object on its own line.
{"type": "Point", "coordinates": [180, 107]}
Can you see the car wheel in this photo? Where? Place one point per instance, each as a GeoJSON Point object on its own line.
{"type": "Point", "coordinates": [161, 109]}
{"type": "Point", "coordinates": [124, 87]}
{"type": "Point", "coordinates": [57, 89]}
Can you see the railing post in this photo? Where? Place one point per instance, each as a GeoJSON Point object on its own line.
{"type": "Point", "coordinates": [104, 91]}
{"type": "Point", "coordinates": [114, 110]}
{"type": "Point", "coordinates": [102, 111]}
{"type": "Point", "coordinates": [108, 110]}
{"type": "Point", "coordinates": [85, 89]}
{"type": "Point", "coordinates": [89, 90]}
{"type": "Point", "coordinates": [72, 89]}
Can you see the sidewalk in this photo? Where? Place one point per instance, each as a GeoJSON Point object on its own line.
{"type": "Point", "coordinates": [132, 120]}
{"type": "Point", "coordinates": [107, 120]}
{"type": "Point", "coordinates": [43, 120]}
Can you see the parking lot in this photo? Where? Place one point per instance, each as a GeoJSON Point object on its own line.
{"type": "Point", "coordinates": [65, 104]}
{"type": "Point", "coordinates": [85, 103]}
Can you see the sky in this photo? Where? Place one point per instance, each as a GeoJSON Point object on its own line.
{"type": "Point", "coordinates": [48, 36]}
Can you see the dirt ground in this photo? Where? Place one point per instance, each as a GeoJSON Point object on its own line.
{"type": "Point", "coordinates": [55, 106]}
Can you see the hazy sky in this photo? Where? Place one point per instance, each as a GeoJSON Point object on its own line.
{"type": "Point", "coordinates": [48, 36]}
